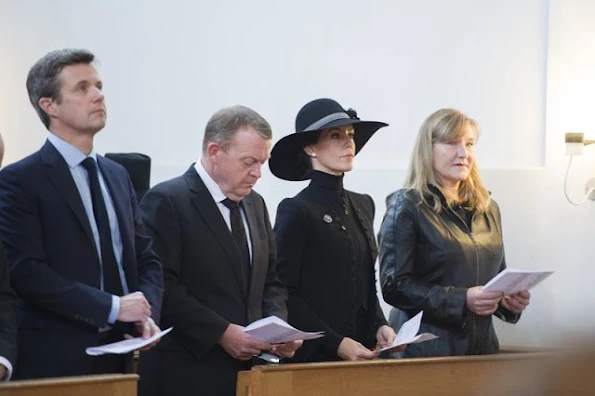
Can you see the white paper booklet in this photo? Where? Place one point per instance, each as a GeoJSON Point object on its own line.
{"type": "Point", "coordinates": [125, 346]}
{"type": "Point", "coordinates": [512, 281]}
{"type": "Point", "coordinates": [408, 333]}
{"type": "Point", "coordinates": [276, 331]}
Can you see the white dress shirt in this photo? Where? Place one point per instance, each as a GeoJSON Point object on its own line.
{"type": "Point", "coordinates": [219, 197]}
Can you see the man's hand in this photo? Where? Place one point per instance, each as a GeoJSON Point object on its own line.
{"type": "Point", "coordinates": [516, 303]}
{"type": "Point", "coordinates": [3, 372]}
{"type": "Point", "coordinates": [288, 349]}
{"type": "Point", "coordinates": [240, 345]}
{"type": "Point", "coordinates": [482, 303]}
{"type": "Point", "coordinates": [146, 330]}
{"type": "Point", "coordinates": [349, 349]}
{"type": "Point", "coordinates": [134, 307]}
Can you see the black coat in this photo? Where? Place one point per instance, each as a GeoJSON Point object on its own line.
{"type": "Point", "coordinates": [428, 260]}
{"type": "Point", "coordinates": [205, 287]}
{"type": "Point", "coordinates": [8, 321]}
{"type": "Point", "coordinates": [316, 261]}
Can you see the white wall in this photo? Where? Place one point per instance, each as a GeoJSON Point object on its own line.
{"type": "Point", "coordinates": [524, 69]}
{"type": "Point", "coordinates": [167, 68]}
{"type": "Point", "coordinates": [542, 229]}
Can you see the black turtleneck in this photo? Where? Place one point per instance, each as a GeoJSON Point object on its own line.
{"type": "Point", "coordinates": [331, 183]}
{"type": "Point", "coordinates": [331, 188]}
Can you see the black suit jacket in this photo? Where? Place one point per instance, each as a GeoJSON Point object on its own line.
{"type": "Point", "coordinates": [54, 262]}
{"type": "Point", "coordinates": [205, 289]}
{"type": "Point", "coordinates": [8, 323]}
{"type": "Point", "coordinates": [316, 262]}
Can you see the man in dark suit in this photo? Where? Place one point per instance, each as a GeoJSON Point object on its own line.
{"type": "Point", "coordinates": [8, 327]}
{"type": "Point", "coordinates": [214, 238]}
{"type": "Point", "coordinates": [79, 256]}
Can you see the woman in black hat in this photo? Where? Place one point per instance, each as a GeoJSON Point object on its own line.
{"type": "Point", "coordinates": [326, 248]}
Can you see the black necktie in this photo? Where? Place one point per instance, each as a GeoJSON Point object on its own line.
{"type": "Point", "coordinates": [239, 234]}
{"type": "Point", "coordinates": [111, 275]}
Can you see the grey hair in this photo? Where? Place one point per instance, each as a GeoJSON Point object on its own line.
{"type": "Point", "coordinates": [223, 125]}
{"type": "Point", "coordinates": [43, 81]}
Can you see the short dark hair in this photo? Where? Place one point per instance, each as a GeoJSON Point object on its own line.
{"type": "Point", "coordinates": [223, 125]}
{"type": "Point", "coordinates": [42, 80]}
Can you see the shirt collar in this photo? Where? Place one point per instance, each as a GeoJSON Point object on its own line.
{"type": "Point", "coordinates": [72, 155]}
{"type": "Point", "coordinates": [210, 184]}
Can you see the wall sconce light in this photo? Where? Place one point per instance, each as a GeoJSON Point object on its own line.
{"type": "Point", "coordinates": [575, 145]}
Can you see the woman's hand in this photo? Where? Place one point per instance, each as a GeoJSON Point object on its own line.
{"type": "Point", "coordinates": [516, 303]}
{"type": "Point", "coordinates": [349, 349]}
{"type": "Point", "coordinates": [385, 336]}
{"type": "Point", "coordinates": [482, 303]}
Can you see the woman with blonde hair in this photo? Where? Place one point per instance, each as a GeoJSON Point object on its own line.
{"type": "Point", "coordinates": [441, 240]}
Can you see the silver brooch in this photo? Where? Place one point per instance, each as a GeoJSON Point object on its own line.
{"type": "Point", "coordinates": [327, 218]}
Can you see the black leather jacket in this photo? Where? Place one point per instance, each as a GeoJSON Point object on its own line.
{"type": "Point", "coordinates": [428, 260]}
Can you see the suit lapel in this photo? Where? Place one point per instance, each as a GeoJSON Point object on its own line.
{"type": "Point", "coordinates": [59, 174]}
{"type": "Point", "coordinates": [207, 208]}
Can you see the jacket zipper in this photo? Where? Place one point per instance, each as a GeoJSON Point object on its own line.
{"type": "Point", "coordinates": [472, 236]}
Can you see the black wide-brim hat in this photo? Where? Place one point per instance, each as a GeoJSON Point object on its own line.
{"type": "Point", "coordinates": [286, 160]}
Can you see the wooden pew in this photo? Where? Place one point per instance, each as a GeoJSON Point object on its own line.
{"type": "Point", "coordinates": [509, 373]}
{"type": "Point", "coordinates": [88, 385]}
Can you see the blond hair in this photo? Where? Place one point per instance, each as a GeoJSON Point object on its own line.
{"type": "Point", "coordinates": [443, 126]}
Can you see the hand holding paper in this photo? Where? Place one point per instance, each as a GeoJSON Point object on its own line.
{"type": "Point", "coordinates": [240, 345]}
{"type": "Point", "coordinates": [276, 331]}
{"type": "Point", "coordinates": [284, 338]}
{"type": "Point", "coordinates": [512, 281]}
{"type": "Point", "coordinates": [350, 349]}
{"type": "Point", "coordinates": [516, 303]}
{"type": "Point", "coordinates": [408, 333]}
{"type": "Point", "coordinates": [287, 349]}
{"type": "Point", "coordinates": [481, 302]}
{"type": "Point", "coordinates": [385, 335]}
{"type": "Point", "coordinates": [125, 346]}
{"type": "Point", "coordinates": [146, 330]}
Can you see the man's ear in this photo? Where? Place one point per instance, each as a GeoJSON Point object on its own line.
{"type": "Point", "coordinates": [213, 150]}
{"type": "Point", "coordinates": [47, 105]}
